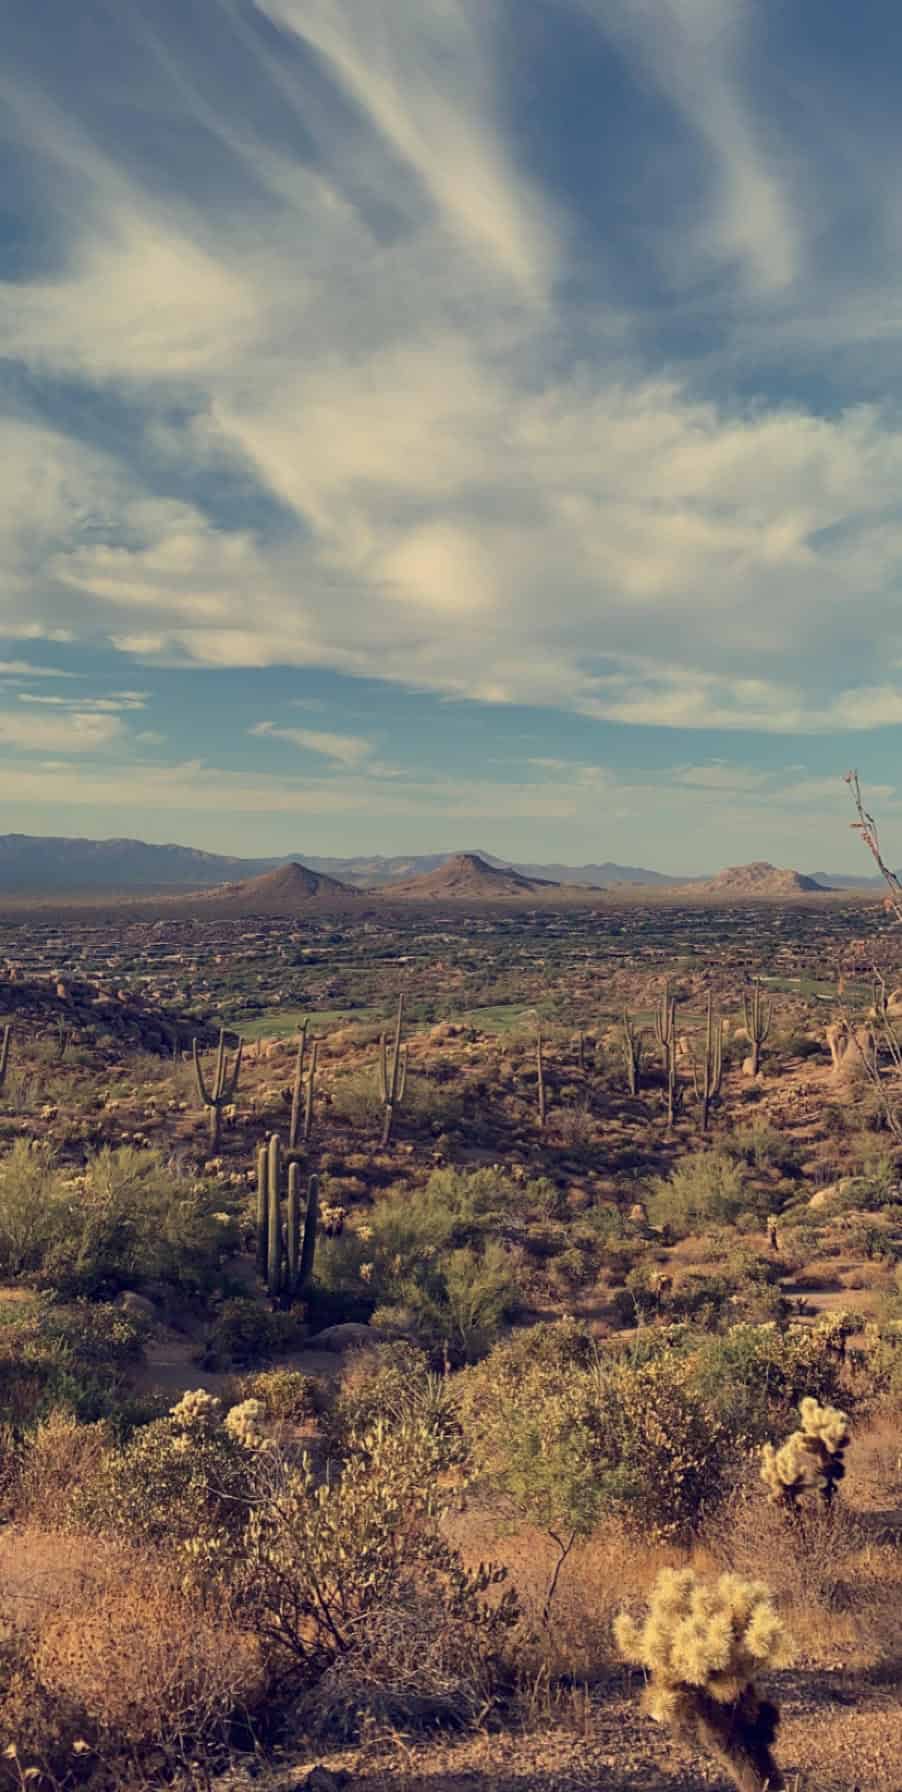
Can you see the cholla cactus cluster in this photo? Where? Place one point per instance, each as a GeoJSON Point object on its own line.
{"type": "Point", "coordinates": [199, 1411]}
{"type": "Point", "coordinates": [195, 1409]}
{"type": "Point", "coordinates": [245, 1424]}
{"type": "Point", "coordinates": [703, 1642]}
{"type": "Point", "coordinates": [811, 1461]}
{"type": "Point", "coordinates": [704, 1635]}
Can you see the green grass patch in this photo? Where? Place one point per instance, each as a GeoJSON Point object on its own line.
{"type": "Point", "coordinates": [279, 1022]}
{"type": "Point", "coordinates": [503, 1017]}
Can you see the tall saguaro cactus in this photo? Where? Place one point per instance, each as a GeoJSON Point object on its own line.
{"type": "Point", "coordinates": [633, 1045]}
{"type": "Point", "coordinates": [285, 1248]}
{"type": "Point", "coordinates": [311, 1084]}
{"type": "Point", "coordinates": [665, 1024]}
{"type": "Point", "coordinates": [665, 1034]}
{"type": "Point", "coordinates": [274, 1217]}
{"type": "Point", "coordinates": [712, 1063]}
{"type": "Point", "coordinates": [392, 1074]}
{"type": "Point", "coordinates": [225, 1084]}
{"type": "Point", "coordinates": [296, 1093]}
{"type": "Point", "coordinates": [756, 1012]}
{"type": "Point", "coordinates": [540, 1078]}
{"type": "Point", "coordinates": [4, 1053]}
{"type": "Point", "coordinates": [262, 1209]}
{"type": "Point", "coordinates": [302, 1092]}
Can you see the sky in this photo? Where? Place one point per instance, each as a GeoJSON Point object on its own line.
{"type": "Point", "coordinates": [449, 424]}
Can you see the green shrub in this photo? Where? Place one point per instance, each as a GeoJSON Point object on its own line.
{"type": "Point", "coordinates": [392, 1384]}
{"type": "Point", "coordinates": [764, 1148]}
{"type": "Point", "coordinates": [288, 1396]}
{"type": "Point", "coordinates": [183, 1482]}
{"type": "Point", "coordinates": [329, 1569]}
{"type": "Point", "coordinates": [563, 1446]}
{"type": "Point", "coordinates": [73, 1357]}
{"type": "Point", "coordinates": [243, 1332]}
{"type": "Point", "coordinates": [754, 1376]}
{"type": "Point", "coordinates": [126, 1219]}
{"type": "Point", "coordinates": [435, 1256]}
{"type": "Point", "coordinates": [34, 1208]}
{"type": "Point", "coordinates": [706, 1187]}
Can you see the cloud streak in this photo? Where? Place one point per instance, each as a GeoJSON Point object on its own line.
{"type": "Point", "coordinates": [344, 337]}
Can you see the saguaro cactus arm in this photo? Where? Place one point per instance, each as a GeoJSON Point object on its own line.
{"type": "Point", "coordinates": [308, 1246]}
{"type": "Point", "coordinates": [540, 1078]}
{"type": "Point", "coordinates": [393, 1076]}
{"type": "Point", "coordinates": [297, 1089]}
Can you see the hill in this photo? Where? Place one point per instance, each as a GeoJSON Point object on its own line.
{"type": "Point", "coordinates": [280, 892]}
{"type": "Point", "coordinates": [759, 879]}
{"type": "Point", "coordinates": [469, 877]}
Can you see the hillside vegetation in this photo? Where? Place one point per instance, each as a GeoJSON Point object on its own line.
{"type": "Point", "coordinates": [406, 1391]}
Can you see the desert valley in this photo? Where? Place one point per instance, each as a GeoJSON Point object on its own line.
{"type": "Point", "coordinates": [355, 1237]}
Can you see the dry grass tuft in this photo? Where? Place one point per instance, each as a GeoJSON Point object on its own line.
{"type": "Point", "coordinates": [109, 1641]}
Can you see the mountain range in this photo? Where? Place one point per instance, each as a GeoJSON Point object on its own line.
{"type": "Point", "coordinates": [37, 865]}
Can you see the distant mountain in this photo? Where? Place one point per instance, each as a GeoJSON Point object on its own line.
{"type": "Point", "coordinates": [468, 876]}
{"type": "Point", "coordinates": [839, 880]}
{"type": "Point", "coordinates": [377, 870]}
{"type": "Point", "coordinates": [758, 879]}
{"type": "Point", "coordinates": [32, 865]}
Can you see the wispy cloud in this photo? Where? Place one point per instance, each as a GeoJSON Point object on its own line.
{"type": "Point", "coordinates": [445, 347]}
{"type": "Point", "coordinates": [17, 669]}
{"type": "Point", "coordinates": [75, 732]}
{"type": "Point", "coordinates": [343, 749]}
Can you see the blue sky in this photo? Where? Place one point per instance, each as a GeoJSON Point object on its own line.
{"type": "Point", "coordinates": [447, 423]}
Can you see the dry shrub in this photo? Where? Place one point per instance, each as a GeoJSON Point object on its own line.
{"type": "Point", "coordinates": [108, 1640]}
{"type": "Point", "coordinates": [572, 1639]}
{"type": "Point", "coordinates": [414, 1665]}
{"type": "Point", "coordinates": [838, 1584]}
{"type": "Point", "coordinates": [60, 1456]}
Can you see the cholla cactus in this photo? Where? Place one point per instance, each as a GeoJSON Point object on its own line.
{"type": "Point", "coordinates": [812, 1459]}
{"type": "Point", "coordinates": [835, 1329]}
{"type": "Point", "coordinates": [703, 1643]}
{"type": "Point", "coordinates": [196, 1408]}
{"type": "Point", "coordinates": [245, 1424]}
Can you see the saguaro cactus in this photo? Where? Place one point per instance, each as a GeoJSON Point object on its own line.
{"type": "Point", "coordinates": [285, 1248]}
{"type": "Point", "coordinates": [311, 1084]}
{"type": "Point", "coordinates": [296, 1093]}
{"type": "Point", "coordinates": [262, 1209]}
{"type": "Point", "coordinates": [712, 1063]}
{"type": "Point", "coordinates": [756, 1012]}
{"type": "Point", "coordinates": [540, 1078]}
{"type": "Point", "coordinates": [293, 1227]}
{"type": "Point", "coordinates": [665, 1025]}
{"type": "Point", "coordinates": [633, 1046]}
{"type": "Point", "coordinates": [665, 1034]}
{"type": "Point", "coordinates": [274, 1218]}
{"type": "Point", "coordinates": [225, 1084]}
{"type": "Point", "coordinates": [392, 1075]}
{"type": "Point", "coordinates": [308, 1243]}
{"type": "Point", "coordinates": [4, 1053]}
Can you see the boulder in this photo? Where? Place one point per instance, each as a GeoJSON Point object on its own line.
{"type": "Point", "coordinates": [137, 1306]}
{"type": "Point", "coordinates": [351, 1335]}
{"type": "Point", "coordinates": [830, 1192]}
